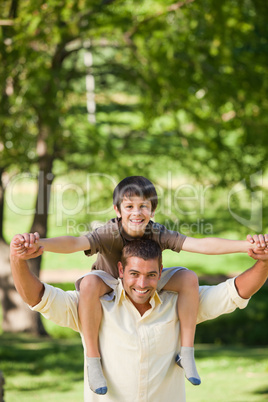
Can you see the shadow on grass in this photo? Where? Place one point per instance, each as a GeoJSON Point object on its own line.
{"type": "Point", "coordinates": [263, 391]}
{"type": "Point", "coordinates": [48, 363]}
{"type": "Point", "coordinates": [255, 354]}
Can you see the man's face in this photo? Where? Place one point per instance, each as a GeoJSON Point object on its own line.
{"type": "Point", "coordinates": [135, 213]}
{"type": "Point", "coordinates": [140, 280]}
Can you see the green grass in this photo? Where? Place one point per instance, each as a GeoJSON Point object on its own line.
{"type": "Point", "coordinates": [41, 369]}
{"type": "Point", "coordinates": [230, 374]}
{"type": "Point", "coordinates": [38, 369]}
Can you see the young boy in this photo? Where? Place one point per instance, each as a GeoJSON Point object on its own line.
{"type": "Point", "coordinates": [135, 201]}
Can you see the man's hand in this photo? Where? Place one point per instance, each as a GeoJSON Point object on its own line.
{"type": "Point", "coordinates": [25, 247]}
{"type": "Point", "coordinates": [258, 254]}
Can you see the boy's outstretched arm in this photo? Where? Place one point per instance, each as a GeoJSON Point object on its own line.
{"type": "Point", "coordinates": [216, 245]}
{"type": "Point", "coordinates": [62, 244]}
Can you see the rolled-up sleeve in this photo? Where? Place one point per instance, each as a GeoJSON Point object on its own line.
{"type": "Point", "coordinates": [219, 299]}
{"type": "Point", "coordinates": [167, 239]}
{"type": "Point", "coordinates": [93, 244]}
{"type": "Point", "coordinates": [59, 306]}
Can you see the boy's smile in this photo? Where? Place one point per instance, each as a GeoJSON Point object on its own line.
{"type": "Point", "coordinates": [135, 212]}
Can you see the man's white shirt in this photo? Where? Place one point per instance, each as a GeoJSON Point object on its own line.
{"type": "Point", "coordinates": [138, 352]}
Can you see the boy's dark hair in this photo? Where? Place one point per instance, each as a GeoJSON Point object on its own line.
{"type": "Point", "coordinates": [135, 186]}
{"type": "Point", "coordinates": [141, 248]}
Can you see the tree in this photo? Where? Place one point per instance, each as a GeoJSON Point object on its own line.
{"type": "Point", "coordinates": [175, 82]}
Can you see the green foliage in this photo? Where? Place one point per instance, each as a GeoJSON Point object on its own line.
{"type": "Point", "coordinates": [184, 80]}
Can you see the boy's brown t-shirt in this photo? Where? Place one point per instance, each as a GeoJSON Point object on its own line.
{"type": "Point", "coordinates": [108, 241]}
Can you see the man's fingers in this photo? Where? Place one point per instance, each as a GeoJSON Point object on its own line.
{"type": "Point", "coordinates": [18, 239]}
{"type": "Point", "coordinates": [260, 250]}
{"type": "Point", "coordinates": [258, 255]}
{"type": "Point", "coordinates": [252, 254]}
{"type": "Point", "coordinates": [38, 252]}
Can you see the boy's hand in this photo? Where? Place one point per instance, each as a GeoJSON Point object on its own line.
{"type": "Point", "coordinates": [261, 241]}
{"type": "Point", "coordinates": [30, 239]}
{"type": "Point", "coordinates": [26, 243]}
{"type": "Point", "coordinates": [18, 249]}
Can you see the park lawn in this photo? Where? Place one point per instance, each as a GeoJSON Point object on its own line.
{"type": "Point", "coordinates": [41, 369]}
{"type": "Point", "coordinates": [230, 374]}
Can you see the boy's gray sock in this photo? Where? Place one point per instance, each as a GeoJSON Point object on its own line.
{"type": "Point", "coordinates": [96, 380]}
{"type": "Point", "coordinates": [186, 361]}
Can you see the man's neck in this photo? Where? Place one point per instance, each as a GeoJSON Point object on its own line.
{"type": "Point", "coordinates": [142, 308]}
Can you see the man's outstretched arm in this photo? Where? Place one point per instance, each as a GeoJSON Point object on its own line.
{"type": "Point", "coordinates": [30, 288]}
{"type": "Point", "coordinates": [250, 281]}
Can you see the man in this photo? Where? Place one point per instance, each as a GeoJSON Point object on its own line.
{"type": "Point", "coordinates": [140, 328]}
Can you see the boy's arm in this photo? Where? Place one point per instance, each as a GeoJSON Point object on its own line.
{"type": "Point", "coordinates": [63, 244]}
{"type": "Point", "coordinates": [215, 245]}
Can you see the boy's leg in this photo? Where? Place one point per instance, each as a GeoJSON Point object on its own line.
{"type": "Point", "coordinates": [90, 314]}
{"type": "Point", "coordinates": [185, 282]}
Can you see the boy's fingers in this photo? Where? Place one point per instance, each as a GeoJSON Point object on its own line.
{"type": "Point", "coordinates": [37, 237]}
{"type": "Point", "coordinates": [250, 238]}
{"type": "Point", "coordinates": [27, 239]}
{"type": "Point", "coordinates": [32, 239]}
{"type": "Point", "coordinates": [262, 240]}
{"type": "Point", "coordinates": [257, 240]}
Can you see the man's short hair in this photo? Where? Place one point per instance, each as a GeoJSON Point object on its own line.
{"type": "Point", "coordinates": [145, 249]}
{"type": "Point", "coordinates": [137, 186]}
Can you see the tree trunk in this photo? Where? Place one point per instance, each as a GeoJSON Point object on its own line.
{"type": "Point", "coordinates": [39, 224]}
{"type": "Point", "coordinates": [1, 203]}
{"type": "Point", "coordinates": [17, 317]}
{"type": "Point", "coordinates": [45, 179]}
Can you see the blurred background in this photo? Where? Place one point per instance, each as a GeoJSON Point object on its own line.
{"type": "Point", "coordinates": [94, 91]}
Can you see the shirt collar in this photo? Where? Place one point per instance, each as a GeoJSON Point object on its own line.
{"type": "Point", "coordinates": [121, 295]}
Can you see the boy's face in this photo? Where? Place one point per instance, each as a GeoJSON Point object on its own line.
{"type": "Point", "coordinates": [135, 213]}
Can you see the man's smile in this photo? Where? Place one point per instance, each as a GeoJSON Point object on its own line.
{"type": "Point", "coordinates": [141, 292]}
